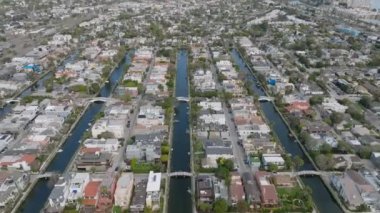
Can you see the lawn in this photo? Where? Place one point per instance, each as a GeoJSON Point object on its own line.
{"type": "Point", "coordinates": [294, 199]}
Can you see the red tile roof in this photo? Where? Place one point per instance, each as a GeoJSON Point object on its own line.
{"type": "Point", "coordinates": [90, 150]}
{"type": "Point", "coordinates": [28, 158]}
{"type": "Point", "coordinates": [92, 188]}
{"type": "Point", "coordinates": [269, 194]}
{"type": "Point", "coordinates": [89, 202]}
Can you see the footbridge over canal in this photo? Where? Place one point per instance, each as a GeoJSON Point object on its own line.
{"type": "Point", "coordinates": [310, 173]}
{"type": "Point", "coordinates": [183, 99]}
{"type": "Point", "coordinates": [265, 98]}
{"type": "Point", "coordinates": [180, 174]}
{"type": "Point", "coordinates": [43, 175]}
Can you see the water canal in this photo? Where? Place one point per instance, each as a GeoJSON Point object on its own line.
{"type": "Point", "coordinates": [40, 84]}
{"type": "Point", "coordinates": [180, 199]}
{"type": "Point", "coordinates": [38, 196]}
{"type": "Point", "coordinates": [321, 196]}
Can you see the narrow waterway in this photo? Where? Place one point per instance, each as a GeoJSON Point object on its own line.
{"type": "Point", "coordinates": [321, 196]}
{"type": "Point", "coordinates": [180, 199]}
{"type": "Point", "coordinates": [40, 193]}
{"type": "Point", "coordinates": [38, 85]}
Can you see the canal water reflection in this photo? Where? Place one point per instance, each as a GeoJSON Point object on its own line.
{"type": "Point", "coordinates": [180, 199]}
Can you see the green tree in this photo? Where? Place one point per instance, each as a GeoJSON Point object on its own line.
{"type": "Point", "coordinates": [355, 113]}
{"type": "Point", "coordinates": [325, 148]}
{"type": "Point", "coordinates": [160, 87]}
{"type": "Point", "coordinates": [205, 207]}
{"type": "Point", "coordinates": [49, 84]}
{"type": "Point", "coordinates": [324, 162]}
{"type": "Point", "coordinates": [94, 88]}
{"type": "Point", "coordinates": [365, 101]}
{"type": "Point", "coordinates": [106, 135]}
{"type": "Point", "coordinates": [365, 152]}
{"type": "Point", "coordinates": [298, 162]}
{"type": "Point", "coordinates": [273, 167]}
{"type": "Point", "coordinates": [126, 98]}
{"type": "Point", "coordinates": [164, 158]}
{"type": "Point", "coordinates": [336, 118]}
{"type": "Point", "coordinates": [315, 100]}
{"type": "Point", "coordinates": [165, 150]}
{"type": "Point", "coordinates": [220, 206]}
{"type": "Point", "coordinates": [242, 206]}
{"type": "Point", "coordinates": [227, 163]}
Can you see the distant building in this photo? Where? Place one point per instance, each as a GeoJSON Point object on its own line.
{"type": "Point", "coordinates": [375, 159]}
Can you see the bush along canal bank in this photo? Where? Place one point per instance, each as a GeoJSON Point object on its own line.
{"type": "Point", "coordinates": [180, 197]}
{"type": "Point", "coordinates": [323, 199]}
{"type": "Point", "coordinates": [37, 197]}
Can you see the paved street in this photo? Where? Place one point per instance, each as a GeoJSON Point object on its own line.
{"type": "Point", "coordinates": [132, 118]}
{"type": "Point", "coordinates": [236, 148]}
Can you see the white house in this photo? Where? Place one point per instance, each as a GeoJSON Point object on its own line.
{"type": "Point", "coordinates": [107, 145]}
{"type": "Point", "coordinates": [276, 159]}
{"type": "Point", "coordinates": [77, 185]}
{"type": "Point", "coordinates": [153, 189]}
{"type": "Point", "coordinates": [115, 126]}
{"type": "Point", "coordinates": [59, 194]}
{"type": "Point", "coordinates": [332, 105]}
{"type": "Point", "coordinates": [214, 105]}
{"type": "Point", "coordinates": [124, 188]}
{"type": "Point", "coordinates": [213, 118]}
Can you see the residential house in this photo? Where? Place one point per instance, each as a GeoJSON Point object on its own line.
{"type": "Point", "coordinates": [282, 180]}
{"type": "Point", "coordinates": [115, 126]}
{"type": "Point", "coordinates": [139, 197]}
{"type": "Point", "coordinates": [236, 189]}
{"type": "Point", "coordinates": [58, 197]}
{"type": "Point", "coordinates": [106, 195]}
{"type": "Point", "coordinates": [105, 145]}
{"type": "Point", "coordinates": [216, 149]}
{"type": "Point", "coordinates": [268, 159]}
{"type": "Point", "coordinates": [347, 191]}
{"type": "Point", "coordinates": [25, 162]}
{"type": "Point", "coordinates": [12, 184]}
{"type": "Point", "coordinates": [331, 104]}
{"type": "Point", "coordinates": [124, 188]}
{"type": "Point", "coordinates": [375, 159]}
{"type": "Point", "coordinates": [92, 159]}
{"type": "Point", "coordinates": [268, 191]}
{"type": "Point", "coordinates": [153, 191]}
{"type": "Point", "coordinates": [77, 184]}
{"type": "Point", "coordinates": [205, 189]}
{"type": "Point", "coordinates": [91, 195]}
